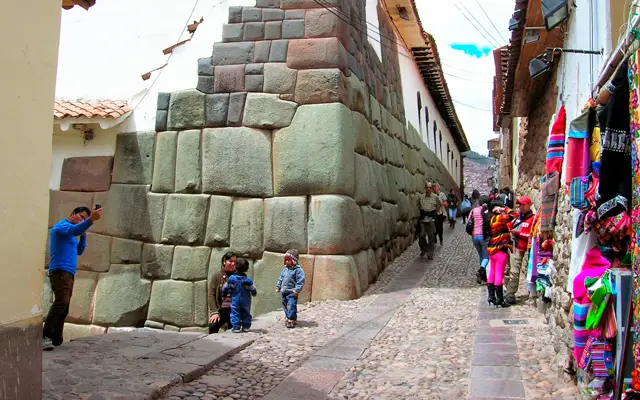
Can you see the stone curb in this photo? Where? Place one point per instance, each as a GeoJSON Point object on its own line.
{"type": "Point", "coordinates": [259, 326]}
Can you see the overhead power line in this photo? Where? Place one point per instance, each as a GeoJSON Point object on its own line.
{"type": "Point", "coordinates": [470, 106]}
{"type": "Point", "coordinates": [490, 41]}
{"type": "Point", "coordinates": [491, 22]}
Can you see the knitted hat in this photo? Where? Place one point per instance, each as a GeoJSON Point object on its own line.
{"type": "Point", "coordinates": [293, 254]}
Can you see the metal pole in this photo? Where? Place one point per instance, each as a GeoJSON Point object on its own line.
{"type": "Point", "coordinates": [618, 54]}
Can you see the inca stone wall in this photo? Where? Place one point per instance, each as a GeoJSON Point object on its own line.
{"type": "Point", "coordinates": [534, 134]}
{"type": "Point", "coordinates": [294, 138]}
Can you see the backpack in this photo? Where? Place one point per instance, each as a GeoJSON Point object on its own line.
{"type": "Point", "coordinates": [465, 206]}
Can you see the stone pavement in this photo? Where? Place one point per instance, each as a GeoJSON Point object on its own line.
{"type": "Point", "coordinates": [422, 331]}
{"type": "Point", "coordinates": [140, 364]}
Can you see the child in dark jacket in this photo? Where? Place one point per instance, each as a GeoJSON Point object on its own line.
{"type": "Point", "coordinates": [290, 285]}
{"type": "Point", "coordinates": [241, 288]}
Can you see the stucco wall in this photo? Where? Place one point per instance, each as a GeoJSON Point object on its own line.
{"type": "Point", "coordinates": [412, 84]}
{"type": "Point", "coordinates": [296, 141]}
{"type": "Point", "coordinates": [66, 144]}
{"type": "Point", "coordinates": [27, 81]}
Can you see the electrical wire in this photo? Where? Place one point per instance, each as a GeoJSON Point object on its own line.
{"type": "Point", "coordinates": [465, 79]}
{"type": "Point", "coordinates": [491, 22]}
{"type": "Point", "coordinates": [159, 74]}
{"type": "Point", "coordinates": [470, 106]}
{"type": "Point", "coordinates": [492, 43]}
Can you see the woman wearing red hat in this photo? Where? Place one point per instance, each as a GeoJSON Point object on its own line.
{"type": "Point", "coordinates": [520, 228]}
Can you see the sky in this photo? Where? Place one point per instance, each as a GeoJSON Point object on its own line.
{"type": "Point", "coordinates": [465, 52]}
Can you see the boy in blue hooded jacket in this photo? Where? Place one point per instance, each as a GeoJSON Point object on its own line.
{"type": "Point", "coordinates": [242, 289]}
{"type": "Point", "coordinates": [290, 285]}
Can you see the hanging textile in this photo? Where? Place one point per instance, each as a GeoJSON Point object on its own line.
{"type": "Point", "coordinates": [580, 243]}
{"type": "Point", "coordinates": [635, 202]}
{"type": "Point", "coordinates": [555, 147]}
{"type": "Point", "coordinates": [615, 184]}
{"type": "Point", "coordinates": [578, 157]}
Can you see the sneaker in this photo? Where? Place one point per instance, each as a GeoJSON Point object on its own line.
{"type": "Point", "coordinates": [289, 324]}
{"type": "Point", "coordinates": [47, 344]}
{"type": "Point", "coordinates": [236, 330]}
{"type": "Point", "coordinates": [429, 257]}
{"type": "Point", "coordinates": [422, 253]}
{"type": "Point", "coordinates": [510, 300]}
{"type": "Point", "coordinates": [245, 330]}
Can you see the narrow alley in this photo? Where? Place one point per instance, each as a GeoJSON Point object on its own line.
{"type": "Point", "coordinates": [423, 331]}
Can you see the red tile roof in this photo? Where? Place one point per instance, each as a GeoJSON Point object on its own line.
{"type": "Point", "coordinates": [98, 109]}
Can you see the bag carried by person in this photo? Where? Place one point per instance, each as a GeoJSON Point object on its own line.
{"type": "Point", "coordinates": [469, 227]}
{"type": "Point", "coordinates": [465, 206]}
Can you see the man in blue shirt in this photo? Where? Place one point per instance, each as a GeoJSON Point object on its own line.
{"type": "Point", "coordinates": [64, 251]}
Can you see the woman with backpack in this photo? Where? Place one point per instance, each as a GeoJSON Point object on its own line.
{"type": "Point", "coordinates": [465, 208]}
{"type": "Point", "coordinates": [477, 228]}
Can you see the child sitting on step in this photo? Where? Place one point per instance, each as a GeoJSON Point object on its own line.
{"type": "Point", "coordinates": [241, 288]}
{"type": "Point", "coordinates": [290, 285]}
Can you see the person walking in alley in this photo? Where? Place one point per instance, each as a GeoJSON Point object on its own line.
{"type": "Point", "coordinates": [429, 208]}
{"type": "Point", "coordinates": [219, 306]}
{"type": "Point", "coordinates": [498, 248]}
{"type": "Point", "coordinates": [452, 204]}
{"type": "Point", "coordinates": [520, 229]}
{"type": "Point", "coordinates": [480, 237]}
{"type": "Point", "coordinates": [441, 215]}
{"type": "Point", "coordinates": [64, 251]}
{"type": "Point", "coordinates": [290, 284]}
{"type": "Point", "coordinates": [465, 208]}
{"type": "Point", "coordinates": [241, 288]}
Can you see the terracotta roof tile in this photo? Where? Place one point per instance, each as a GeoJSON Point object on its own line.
{"type": "Point", "coordinates": [97, 109]}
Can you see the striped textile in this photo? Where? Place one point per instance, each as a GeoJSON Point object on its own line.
{"type": "Point", "coordinates": [499, 235]}
{"type": "Point", "coordinates": [549, 185]}
{"type": "Point", "coordinates": [580, 333]}
{"type": "Point", "coordinates": [555, 146]}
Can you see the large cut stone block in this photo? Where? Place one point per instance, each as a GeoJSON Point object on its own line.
{"type": "Point", "coordinates": [157, 260]}
{"type": "Point", "coordinates": [125, 251]}
{"type": "Point", "coordinates": [134, 213]}
{"type": "Point", "coordinates": [285, 224]}
{"type": "Point", "coordinates": [358, 97]}
{"type": "Point", "coordinates": [315, 86]}
{"type": "Point", "coordinates": [232, 53]}
{"type": "Point", "coordinates": [361, 259]}
{"type": "Point", "coordinates": [217, 109]}
{"type": "Point", "coordinates": [86, 174]}
{"type": "Point", "coordinates": [265, 275]}
{"type": "Point", "coordinates": [237, 161]}
{"type": "Point", "coordinates": [278, 78]}
{"type": "Point", "coordinates": [96, 256]}
{"type": "Point", "coordinates": [229, 78]}
{"type": "Point", "coordinates": [81, 307]}
{"type": "Point", "coordinates": [133, 161]}
{"type": "Point", "coordinates": [190, 263]}
{"type": "Point", "coordinates": [185, 219]}
{"type": "Point", "coordinates": [61, 204]}
{"type": "Point", "coordinates": [236, 108]}
{"type": "Point", "coordinates": [372, 265]}
{"type": "Point", "coordinates": [335, 225]}
{"type": "Point", "coordinates": [324, 22]}
{"type": "Point", "coordinates": [293, 29]}
{"type": "Point", "coordinates": [335, 278]}
{"type": "Point", "coordinates": [313, 158]}
{"type": "Point", "coordinates": [164, 167]}
{"type": "Point", "coordinates": [188, 173]}
{"type": "Point", "coordinates": [201, 306]}
{"type": "Point", "coordinates": [364, 137]}
{"type": "Point", "coordinates": [219, 221]}
{"type": "Point", "coordinates": [122, 297]}
{"type": "Point", "coordinates": [267, 111]}
{"type": "Point", "coordinates": [246, 227]}
{"type": "Point", "coordinates": [317, 53]}
{"type": "Point", "coordinates": [186, 110]}
{"type": "Point", "coordinates": [362, 192]}
{"type": "Point", "coordinates": [172, 302]}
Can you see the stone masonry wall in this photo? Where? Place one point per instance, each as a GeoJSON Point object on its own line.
{"type": "Point", "coordinates": [534, 133]}
{"type": "Point", "coordinates": [295, 137]}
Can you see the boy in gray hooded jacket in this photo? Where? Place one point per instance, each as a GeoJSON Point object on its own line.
{"type": "Point", "coordinates": [290, 285]}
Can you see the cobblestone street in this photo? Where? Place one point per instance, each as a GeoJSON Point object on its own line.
{"type": "Point", "coordinates": [422, 331]}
